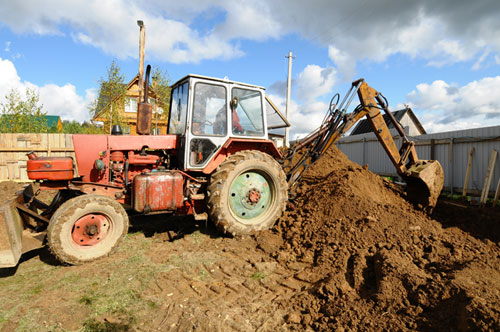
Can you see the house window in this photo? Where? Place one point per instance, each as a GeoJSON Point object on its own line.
{"type": "Point", "coordinates": [131, 105]}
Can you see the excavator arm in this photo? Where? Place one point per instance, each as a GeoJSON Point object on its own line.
{"type": "Point", "coordinates": [424, 178]}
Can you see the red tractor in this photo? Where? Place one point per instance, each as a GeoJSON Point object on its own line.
{"type": "Point", "coordinates": [216, 161]}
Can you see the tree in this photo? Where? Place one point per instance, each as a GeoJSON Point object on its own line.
{"type": "Point", "coordinates": [90, 128]}
{"type": "Point", "coordinates": [160, 85]}
{"type": "Point", "coordinates": [111, 97]}
{"type": "Point", "coordinates": [22, 115]}
{"type": "Point", "coordinates": [72, 127]}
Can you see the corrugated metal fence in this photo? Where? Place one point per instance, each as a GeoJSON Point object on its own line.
{"type": "Point", "coordinates": [13, 149]}
{"type": "Point", "coordinates": [450, 148]}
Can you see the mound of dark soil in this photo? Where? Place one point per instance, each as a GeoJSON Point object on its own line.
{"type": "Point", "coordinates": [375, 263]}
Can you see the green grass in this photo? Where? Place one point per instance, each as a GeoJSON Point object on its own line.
{"type": "Point", "coordinates": [122, 288]}
{"type": "Point", "coordinates": [111, 288]}
{"type": "Point", "coordinates": [92, 325]}
{"type": "Point", "coordinates": [258, 276]}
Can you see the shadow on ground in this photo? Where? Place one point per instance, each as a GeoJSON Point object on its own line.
{"type": "Point", "coordinates": [481, 223]}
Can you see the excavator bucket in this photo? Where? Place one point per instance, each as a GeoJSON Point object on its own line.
{"type": "Point", "coordinates": [11, 229]}
{"type": "Point", "coordinates": [425, 181]}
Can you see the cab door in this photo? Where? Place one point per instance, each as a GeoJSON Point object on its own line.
{"type": "Point", "coordinates": [208, 125]}
{"type": "Point", "coordinates": [177, 119]}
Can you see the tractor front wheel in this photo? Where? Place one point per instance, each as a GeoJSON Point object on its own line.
{"type": "Point", "coordinates": [248, 192]}
{"type": "Point", "coordinates": [86, 228]}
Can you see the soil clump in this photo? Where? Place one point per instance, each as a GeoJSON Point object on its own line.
{"type": "Point", "coordinates": [376, 263]}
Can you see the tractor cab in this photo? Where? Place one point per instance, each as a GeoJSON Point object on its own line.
{"type": "Point", "coordinates": [207, 112]}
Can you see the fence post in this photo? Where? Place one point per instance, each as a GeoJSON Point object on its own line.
{"type": "Point", "coordinates": [487, 180]}
{"type": "Point", "coordinates": [433, 149]}
{"type": "Point", "coordinates": [451, 165]}
{"type": "Point", "coordinates": [364, 149]}
{"type": "Point", "coordinates": [467, 174]}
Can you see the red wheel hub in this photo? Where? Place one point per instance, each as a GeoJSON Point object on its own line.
{"type": "Point", "coordinates": [90, 229]}
{"type": "Point", "coordinates": [253, 196]}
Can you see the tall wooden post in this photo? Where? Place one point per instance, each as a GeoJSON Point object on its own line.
{"type": "Point", "coordinates": [467, 174]}
{"type": "Point", "coordinates": [487, 180]}
{"type": "Point", "coordinates": [142, 42]}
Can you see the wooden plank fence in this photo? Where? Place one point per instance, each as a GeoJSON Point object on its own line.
{"type": "Point", "coordinates": [14, 147]}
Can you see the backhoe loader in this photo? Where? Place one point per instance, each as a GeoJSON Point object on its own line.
{"type": "Point", "coordinates": [216, 162]}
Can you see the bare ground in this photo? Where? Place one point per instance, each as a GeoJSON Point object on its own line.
{"type": "Point", "coordinates": [352, 255]}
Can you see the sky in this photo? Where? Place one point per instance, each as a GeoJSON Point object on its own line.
{"type": "Point", "coordinates": [442, 58]}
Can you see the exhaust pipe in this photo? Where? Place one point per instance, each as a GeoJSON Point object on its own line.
{"type": "Point", "coordinates": [144, 109]}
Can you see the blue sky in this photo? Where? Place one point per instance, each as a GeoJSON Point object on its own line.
{"type": "Point", "coordinates": [440, 57]}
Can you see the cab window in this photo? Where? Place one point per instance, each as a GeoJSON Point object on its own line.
{"type": "Point", "coordinates": [178, 109]}
{"type": "Point", "coordinates": [210, 110]}
{"type": "Point", "coordinates": [247, 114]}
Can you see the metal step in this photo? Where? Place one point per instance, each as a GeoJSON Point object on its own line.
{"type": "Point", "coordinates": [198, 197]}
{"type": "Point", "coordinates": [201, 216]}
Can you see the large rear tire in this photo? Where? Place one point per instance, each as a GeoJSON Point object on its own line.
{"type": "Point", "coordinates": [86, 228]}
{"type": "Point", "coordinates": [248, 192]}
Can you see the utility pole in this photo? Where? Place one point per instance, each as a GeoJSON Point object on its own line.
{"type": "Point", "coordinates": [142, 42]}
{"type": "Point", "coordinates": [288, 91]}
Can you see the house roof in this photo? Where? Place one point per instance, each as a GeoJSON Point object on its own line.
{"type": "Point", "coordinates": [364, 126]}
{"type": "Point", "coordinates": [51, 120]}
{"type": "Point", "coordinates": [54, 121]}
{"type": "Point", "coordinates": [104, 102]}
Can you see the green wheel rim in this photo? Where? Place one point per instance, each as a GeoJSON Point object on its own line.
{"type": "Point", "coordinates": [250, 196]}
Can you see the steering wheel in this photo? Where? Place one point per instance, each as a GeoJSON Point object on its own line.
{"type": "Point", "coordinates": [238, 131]}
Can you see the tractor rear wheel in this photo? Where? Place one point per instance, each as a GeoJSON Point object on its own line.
{"type": "Point", "coordinates": [86, 228]}
{"type": "Point", "coordinates": [248, 192]}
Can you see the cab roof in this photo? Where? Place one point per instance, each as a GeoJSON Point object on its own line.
{"type": "Point", "coordinates": [223, 80]}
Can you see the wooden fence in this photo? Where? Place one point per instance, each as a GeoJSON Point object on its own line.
{"type": "Point", "coordinates": [14, 147]}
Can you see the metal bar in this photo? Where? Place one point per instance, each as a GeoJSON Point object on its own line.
{"type": "Point", "coordinates": [32, 213]}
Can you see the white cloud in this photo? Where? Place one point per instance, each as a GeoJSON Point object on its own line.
{"type": "Point", "coordinates": [56, 100]}
{"type": "Point", "coordinates": [304, 118]}
{"type": "Point", "coordinates": [315, 81]}
{"type": "Point", "coordinates": [91, 23]}
{"type": "Point", "coordinates": [65, 102]}
{"type": "Point", "coordinates": [442, 32]}
{"type": "Point", "coordinates": [444, 106]}
{"type": "Point", "coordinates": [306, 114]}
{"type": "Point", "coordinates": [346, 64]}
{"type": "Point", "coordinates": [7, 46]}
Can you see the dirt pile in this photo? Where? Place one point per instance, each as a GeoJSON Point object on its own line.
{"type": "Point", "coordinates": [8, 190]}
{"type": "Point", "coordinates": [376, 263]}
